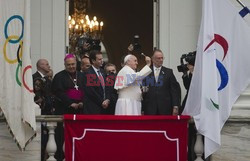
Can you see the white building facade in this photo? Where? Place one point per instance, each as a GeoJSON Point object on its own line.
{"type": "Point", "coordinates": [176, 29]}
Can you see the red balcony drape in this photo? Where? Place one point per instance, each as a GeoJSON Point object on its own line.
{"type": "Point", "coordinates": [125, 138]}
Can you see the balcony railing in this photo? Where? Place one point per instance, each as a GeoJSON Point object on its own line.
{"type": "Point", "coordinates": [52, 120]}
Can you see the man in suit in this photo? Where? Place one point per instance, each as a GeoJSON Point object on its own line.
{"type": "Point", "coordinates": [85, 64]}
{"type": "Point", "coordinates": [163, 93]}
{"type": "Point", "coordinates": [97, 98]}
{"type": "Point", "coordinates": [110, 74]}
{"type": "Point", "coordinates": [43, 68]}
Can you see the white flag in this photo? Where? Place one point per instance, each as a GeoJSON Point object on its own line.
{"type": "Point", "coordinates": [16, 85]}
{"type": "Point", "coordinates": [221, 70]}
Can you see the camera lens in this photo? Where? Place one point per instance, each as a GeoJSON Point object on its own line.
{"type": "Point", "coordinates": [136, 44]}
{"type": "Point", "coordinates": [189, 58]}
{"type": "Point", "coordinates": [136, 37]}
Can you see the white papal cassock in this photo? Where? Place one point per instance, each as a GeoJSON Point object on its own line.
{"type": "Point", "coordinates": [129, 93]}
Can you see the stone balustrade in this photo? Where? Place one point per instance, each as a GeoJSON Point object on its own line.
{"type": "Point", "coordinates": [53, 119]}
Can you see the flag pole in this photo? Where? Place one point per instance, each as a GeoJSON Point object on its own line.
{"type": "Point", "coordinates": [241, 3]}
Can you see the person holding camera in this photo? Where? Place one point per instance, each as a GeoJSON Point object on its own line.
{"type": "Point", "coordinates": [186, 77]}
{"type": "Point", "coordinates": [163, 93]}
{"type": "Point", "coordinates": [187, 70]}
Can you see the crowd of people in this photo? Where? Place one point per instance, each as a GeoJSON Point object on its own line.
{"type": "Point", "coordinates": [91, 88]}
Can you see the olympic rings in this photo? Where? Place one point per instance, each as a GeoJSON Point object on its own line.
{"type": "Point", "coordinates": [17, 54]}
{"type": "Point", "coordinates": [17, 79]}
{"type": "Point", "coordinates": [4, 49]}
{"type": "Point", "coordinates": [6, 28]}
{"type": "Point", "coordinates": [14, 39]}
{"type": "Point", "coordinates": [24, 83]}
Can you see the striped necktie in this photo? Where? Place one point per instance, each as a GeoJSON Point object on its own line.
{"type": "Point", "coordinates": [101, 79]}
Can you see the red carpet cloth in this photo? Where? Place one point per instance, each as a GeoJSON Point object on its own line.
{"type": "Point", "coordinates": [125, 138]}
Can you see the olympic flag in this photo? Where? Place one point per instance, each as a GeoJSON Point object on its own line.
{"type": "Point", "coordinates": [221, 70]}
{"type": "Point", "coordinates": [16, 86]}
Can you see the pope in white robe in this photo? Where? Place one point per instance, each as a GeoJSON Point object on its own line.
{"type": "Point", "coordinates": [128, 84]}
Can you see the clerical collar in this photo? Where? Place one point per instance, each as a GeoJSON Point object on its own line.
{"type": "Point", "coordinates": [41, 74]}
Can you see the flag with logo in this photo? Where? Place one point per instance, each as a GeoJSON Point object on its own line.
{"type": "Point", "coordinates": [16, 86]}
{"type": "Point", "coordinates": [221, 71]}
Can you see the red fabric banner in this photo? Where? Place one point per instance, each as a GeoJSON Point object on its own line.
{"type": "Point", "coordinates": [125, 138]}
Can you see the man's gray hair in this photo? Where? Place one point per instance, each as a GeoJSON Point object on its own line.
{"type": "Point", "coordinates": [127, 58]}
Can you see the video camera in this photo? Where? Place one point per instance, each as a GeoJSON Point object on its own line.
{"type": "Point", "coordinates": [94, 44]}
{"type": "Point", "coordinates": [189, 58]}
{"type": "Point", "coordinates": [136, 44]}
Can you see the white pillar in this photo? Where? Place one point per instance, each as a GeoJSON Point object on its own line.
{"type": "Point", "coordinates": [199, 147]}
{"type": "Point", "coordinates": [51, 145]}
{"type": "Point", "coordinates": [48, 32]}
{"type": "Point", "coordinates": [179, 23]}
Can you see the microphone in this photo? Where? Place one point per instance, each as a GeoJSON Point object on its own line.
{"type": "Point", "coordinates": [143, 54]}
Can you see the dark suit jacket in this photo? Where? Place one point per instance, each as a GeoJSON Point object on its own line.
{"type": "Point", "coordinates": [162, 95]}
{"type": "Point", "coordinates": [186, 81]}
{"type": "Point", "coordinates": [110, 82]}
{"type": "Point", "coordinates": [46, 110]}
{"type": "Point", "coordinates": [47, 82]}
{"type": "Point", "coordinates": [94, 93]}
{"type": "Point", "coordinates": [36, 75]}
